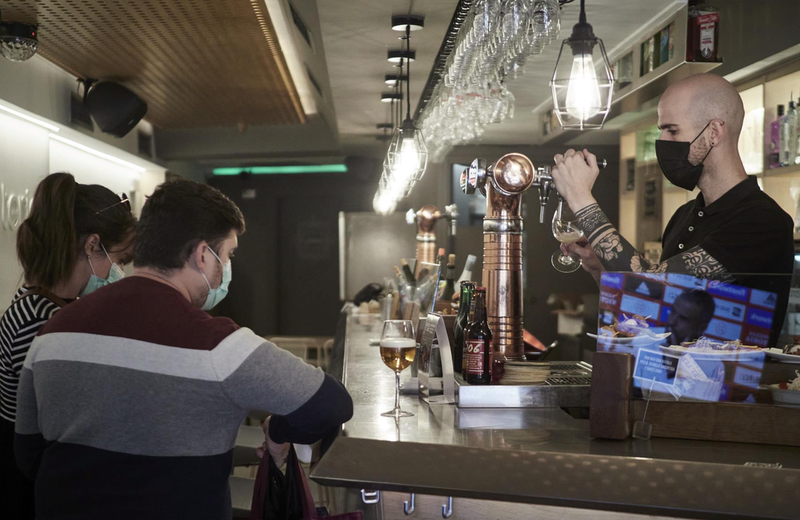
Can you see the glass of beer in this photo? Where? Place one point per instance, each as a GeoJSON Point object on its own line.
{"type": "Point", "coordinates": [398, 346]}
{"type": "Point", "coordinates": [566, 232]}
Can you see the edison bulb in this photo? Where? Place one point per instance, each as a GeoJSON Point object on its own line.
{"type": "Point", "coordinates": [583, 93]}
{"type": "Point", "coordinates": [407, 161]}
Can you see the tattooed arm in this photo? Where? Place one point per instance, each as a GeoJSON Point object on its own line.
{"type": "Point", "coordinates": [617, 254]}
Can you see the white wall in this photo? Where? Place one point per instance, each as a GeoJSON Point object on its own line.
{"type": "Point", "coordinates": [29, 152]}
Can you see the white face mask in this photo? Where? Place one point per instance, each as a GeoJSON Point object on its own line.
{"type": "Point", "coordinates": [95, 282]}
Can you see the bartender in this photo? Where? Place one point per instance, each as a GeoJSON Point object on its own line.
{"type": "Point", "coordinates": [731, 227]}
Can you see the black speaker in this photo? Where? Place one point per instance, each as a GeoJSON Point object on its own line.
{"type": "Point", "coordinates": [114, 108]}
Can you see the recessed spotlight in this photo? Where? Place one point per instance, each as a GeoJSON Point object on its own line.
{"type": "Point", "coordinates": [388, 97]}
{"type": "Point", "coordinates": [392, 79]}
{"type": "Point", "coordinates": [414, 22]}
{"type": "Point", "coordinates": [18, 41]}
{"type": "Point", "coordinates": [394, 56]}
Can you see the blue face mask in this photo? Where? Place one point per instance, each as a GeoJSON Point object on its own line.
{"type": "Point", "coordinates": [217, 295]}
{"type": "Point", "coordinates": [95, 282]}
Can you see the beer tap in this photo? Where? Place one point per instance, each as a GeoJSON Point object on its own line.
{"type": "Point", "coordinates": [503, 184]}
{"type": "Point", "coordinates": [543, 180]}
{"type": "Point", "coordinates": [426, 219]}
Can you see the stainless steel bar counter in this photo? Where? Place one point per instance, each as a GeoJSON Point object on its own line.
{"type": "Point", "coordinates": [543, 456]}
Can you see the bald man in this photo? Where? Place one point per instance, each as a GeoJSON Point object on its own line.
{"type": "Point", "coordinates": [731, 227]}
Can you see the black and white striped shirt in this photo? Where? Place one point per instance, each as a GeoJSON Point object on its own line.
{"type": "Point", "coordinates": [18, 326]}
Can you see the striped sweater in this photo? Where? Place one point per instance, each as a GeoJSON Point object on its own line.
{"type": "Point", "coordinates": [130, 401]}
{"type": "Point", "coordinates": [19, 325]}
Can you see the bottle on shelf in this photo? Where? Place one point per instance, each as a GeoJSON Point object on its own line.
{"type": "Point", "coordinates": [797, 134]}
{"type": "Point", "coordinates": [467, 288]}
{"type": "Point", "coordinates": [702, 32]}
{"type": "Point", "coordinates": [466, 274]}
{"type": "Point", "coordinates": [789, 135]}
{"type": "Point", "coordinates": [478, 338]}
{"type": "Point", "coordinates": [775, 140]}
{"type": "Point", "coordinates": [450, 279]}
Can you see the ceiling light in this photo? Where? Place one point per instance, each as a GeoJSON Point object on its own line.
{"type": "Point", "coordinates": [415, 22]}
{"type": "Point", "coordinates": [395, 55]}
{"type": "Point", "coordinates": [389, 97]}
{"type": "Point", "coordinates": [393, 79]}
{"type": "Point", "coordinates": [407, 156]}
{"type": "Point", "coordinates": [18, 41]}
{"type": "Point", "coordinates": [581, 97]}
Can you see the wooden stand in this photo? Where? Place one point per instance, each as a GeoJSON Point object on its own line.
{"type": "Point", "coordinates": [613, 412]}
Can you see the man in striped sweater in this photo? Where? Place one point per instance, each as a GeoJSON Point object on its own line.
{"type": "Point", "coordinates": [130, 399]}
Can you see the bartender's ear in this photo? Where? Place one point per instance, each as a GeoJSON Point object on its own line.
{"type": "Point", "coordinates": [718, 132]}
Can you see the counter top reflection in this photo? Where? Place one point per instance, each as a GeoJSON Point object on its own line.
{"type": "Point", "coordinates": [542, 456]}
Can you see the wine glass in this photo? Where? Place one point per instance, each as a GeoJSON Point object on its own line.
{"type": "Point", "coordinates": [566, 232]}
{"type": "Point", "coordinates": [398, 347]}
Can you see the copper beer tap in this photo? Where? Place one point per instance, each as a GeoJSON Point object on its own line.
{"type": "Point", "coordinates": [503, 184]}
{"type": "Point", "coordinates": [426, 219]}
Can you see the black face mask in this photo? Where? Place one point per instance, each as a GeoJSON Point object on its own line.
{"type": "Point", "coordinates": [673, 158]}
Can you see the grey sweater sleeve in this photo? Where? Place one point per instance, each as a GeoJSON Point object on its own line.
{"type": "Point", "coordinates": [307, 404]}
{"type": "Point", "coordinates": [29, 444]}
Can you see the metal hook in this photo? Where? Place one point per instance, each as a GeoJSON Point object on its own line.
{"type": "Point", "coordinates": [447, 510]}
{"type": "Point", "coordinates": [408, 509]}
{"type": "Point", "coordinates": [370, 497]}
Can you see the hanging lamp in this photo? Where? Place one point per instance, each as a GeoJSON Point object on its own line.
{"type": "Point", "coordinates": [581, 93]}
{"type": "Point", "coordinates": [407, 156]}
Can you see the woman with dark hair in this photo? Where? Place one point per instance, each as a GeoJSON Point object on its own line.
{"type": "Point", "coordinates": [73, 242]}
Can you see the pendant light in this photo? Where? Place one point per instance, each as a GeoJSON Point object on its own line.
{"type": "Point", "coordinates": [581, 96]}
{"type": "Point", "coordinates": [407, 156]}
{"type": "Point", "coordinates": [385, 200]}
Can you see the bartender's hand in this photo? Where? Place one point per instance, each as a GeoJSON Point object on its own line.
{"type": "Point", "coordinates": [278, 452]}
{"type": "Point", "coordinates": [574, 175]}
{"type": "Point", "coordinates": [590, 263]}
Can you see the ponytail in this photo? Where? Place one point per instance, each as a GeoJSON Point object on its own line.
{"type": "Point", "coordinates": [63, 214]}
{"type": "Point", "coordinates": [47, 240]}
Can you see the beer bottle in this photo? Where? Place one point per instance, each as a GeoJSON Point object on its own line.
{"type": "Point", "coordinates": [461, 322]}
{"type": "Point", "coordinates": [478, 339]}
{"type": "Point", "coordinates": [470, 318]}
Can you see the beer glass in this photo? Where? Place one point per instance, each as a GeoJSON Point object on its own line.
{"type": "Point", "coordinates": [398, 347]}
{"type": "Point", "coordinates": [566, 232]}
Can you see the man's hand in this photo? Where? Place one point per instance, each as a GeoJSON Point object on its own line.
{"type": "Point", "coordinates": [278, 452]}
{"type": "Point", "coordinates": [574, 175]}
{"type": "Point", "coordinates": [590, 263]}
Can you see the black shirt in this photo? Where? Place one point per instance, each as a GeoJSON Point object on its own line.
{"type": "Point", "coordinates": [746, 231]}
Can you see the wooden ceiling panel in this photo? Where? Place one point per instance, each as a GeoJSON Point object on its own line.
{"type": "Point", "coordinates": [197, 63]}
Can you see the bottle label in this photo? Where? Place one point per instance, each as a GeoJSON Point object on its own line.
{"type": "Point", "coordinates": [707, 24]}
{"type": "Point", "coordinates": [475, 354]}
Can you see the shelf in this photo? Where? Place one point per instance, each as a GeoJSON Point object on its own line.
{"type": "Point", "coordinates": [783, 171]}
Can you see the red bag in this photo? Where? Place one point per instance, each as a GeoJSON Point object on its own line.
{"type": "Point", "coordinates": [286, 497]}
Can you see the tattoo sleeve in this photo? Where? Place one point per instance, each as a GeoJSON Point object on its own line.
{"type": "Point", "coordinates": [617, 254]}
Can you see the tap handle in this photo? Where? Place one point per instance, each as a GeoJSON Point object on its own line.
{"type": "Point", "coordinates": [560, 206]}
{"type": "Point", "coordinates": [474, 177]}
{"type": "Point", "coordinates": [451, 212]}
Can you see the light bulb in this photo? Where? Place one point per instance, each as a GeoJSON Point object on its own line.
{"type": "Point", "coordinates": [383, 203]}
{"type": "Point", "coordinates": [407, 161]}
{"type": "Point", "coordinates": [583, 93]}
